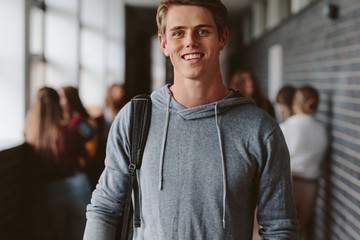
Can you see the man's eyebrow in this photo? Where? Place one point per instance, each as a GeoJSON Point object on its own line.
{"type": "Point", "coordinates": [204, 26]}
{"type": "Point", "coordinates": [176, 28]}
{"type": "Point", "coordinates": [196, 27]}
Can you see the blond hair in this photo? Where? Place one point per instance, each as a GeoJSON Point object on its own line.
{"type": "Point", "coordinates": [216, 7]}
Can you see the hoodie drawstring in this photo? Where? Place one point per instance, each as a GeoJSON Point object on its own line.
{"type": "Point", "coordinates": [164, 143]}
{"type": "Point", "coordinates": [221, 151]}
{"type": "Point", "coordinates": [223, 163]}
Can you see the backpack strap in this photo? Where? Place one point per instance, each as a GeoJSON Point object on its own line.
{"type": "Point", "coordinates": [139, 127]}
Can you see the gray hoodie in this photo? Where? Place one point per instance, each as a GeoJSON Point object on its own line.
{"type": "Point", "coordinates": [203, 172]}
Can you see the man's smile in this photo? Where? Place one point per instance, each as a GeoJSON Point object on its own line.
{"type": "Point", "coordinates": [192, 56]}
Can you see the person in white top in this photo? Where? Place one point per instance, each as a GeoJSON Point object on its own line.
{"type": "Point", "coordinates": [306, 139]}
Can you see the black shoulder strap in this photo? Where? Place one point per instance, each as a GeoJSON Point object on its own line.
{"type": "Point", "coordinates": [139, 127]}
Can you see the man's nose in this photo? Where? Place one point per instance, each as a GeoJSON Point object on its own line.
{"type": "Point", "coordinates": [191, 40]}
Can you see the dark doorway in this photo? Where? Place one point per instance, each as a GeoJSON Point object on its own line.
{"type": "Point", "coordinates": [140, 27]}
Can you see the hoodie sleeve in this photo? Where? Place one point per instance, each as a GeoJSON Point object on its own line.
{"type": "Point", "coordinates": [108, 198]}
{"type": "Point", "coordinates": [276, 207]}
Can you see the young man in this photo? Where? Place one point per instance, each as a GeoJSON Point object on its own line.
{"type": "Point", "coordinates": [211, 155]}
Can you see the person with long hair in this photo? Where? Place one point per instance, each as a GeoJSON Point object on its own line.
{"type": "Point", "coordinates": [59, 153]}
{"type": "Point", "coordinates": [114, 100]}
{"type": "Point", "coordinates": [244, 81]}
{"type": "Point", "coordinates": [73, 108]}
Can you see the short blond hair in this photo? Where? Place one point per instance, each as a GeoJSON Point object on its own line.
{"type": "Point", "coordinates": [216, 7]}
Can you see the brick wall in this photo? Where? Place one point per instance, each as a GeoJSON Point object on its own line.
{"type": "Point", "coordinates": [326, 54]}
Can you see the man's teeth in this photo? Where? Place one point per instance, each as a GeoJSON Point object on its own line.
{"type": "Point", "coordinates": [192, 56]}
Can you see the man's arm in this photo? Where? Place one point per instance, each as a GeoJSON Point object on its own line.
{"type": "Point", "coordinates": [94, 231]}
{"type": "Point", "coordinates": [276, 207]}
{"type": "Point", "coordinates": [108, 198]}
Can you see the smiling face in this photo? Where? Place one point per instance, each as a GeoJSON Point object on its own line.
{"type": "Point", "coordinates": [192, 43]}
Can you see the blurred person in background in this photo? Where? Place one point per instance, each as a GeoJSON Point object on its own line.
{"type": "Point", "coordinates": [73, 108]}
{"type": "Point", "coordinates": [244, 81]}
{"type": "Point", "coordinates": [114, 101]}
{"type": "Point", "coordinates": [284, 99]}
{"type": "Point", "coordinates": [87, 126]}
{"type": "Point", "coordinates": [307, 142]}
{"type": "Point", "coordinates": [59, 156]}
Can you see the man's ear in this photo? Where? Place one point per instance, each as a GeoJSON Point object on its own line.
{"type": "Point", "coordinates": [224, 39]}
{"type": "Point", "coordinates": [162, 42]}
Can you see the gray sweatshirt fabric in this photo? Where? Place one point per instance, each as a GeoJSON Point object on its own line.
{"type": "Point", "coordinates": [203, 172]}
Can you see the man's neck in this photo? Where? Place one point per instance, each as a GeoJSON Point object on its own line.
{"type": "Point", "coordinates": [193, 93]}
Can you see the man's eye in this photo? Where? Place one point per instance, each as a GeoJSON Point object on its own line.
{"type": "Point", "coordinates": [177, 34]}
{"type": "Point", "coordinates": [203, 32]}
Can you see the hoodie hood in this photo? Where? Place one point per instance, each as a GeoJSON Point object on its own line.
{"type": "Point", "coordinates": [161, 98]}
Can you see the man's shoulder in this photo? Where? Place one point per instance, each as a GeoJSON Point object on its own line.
{"type": "Point", "coordinates": [251, 118]}
{"type": "Point", "coordinates": [251, 112]}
